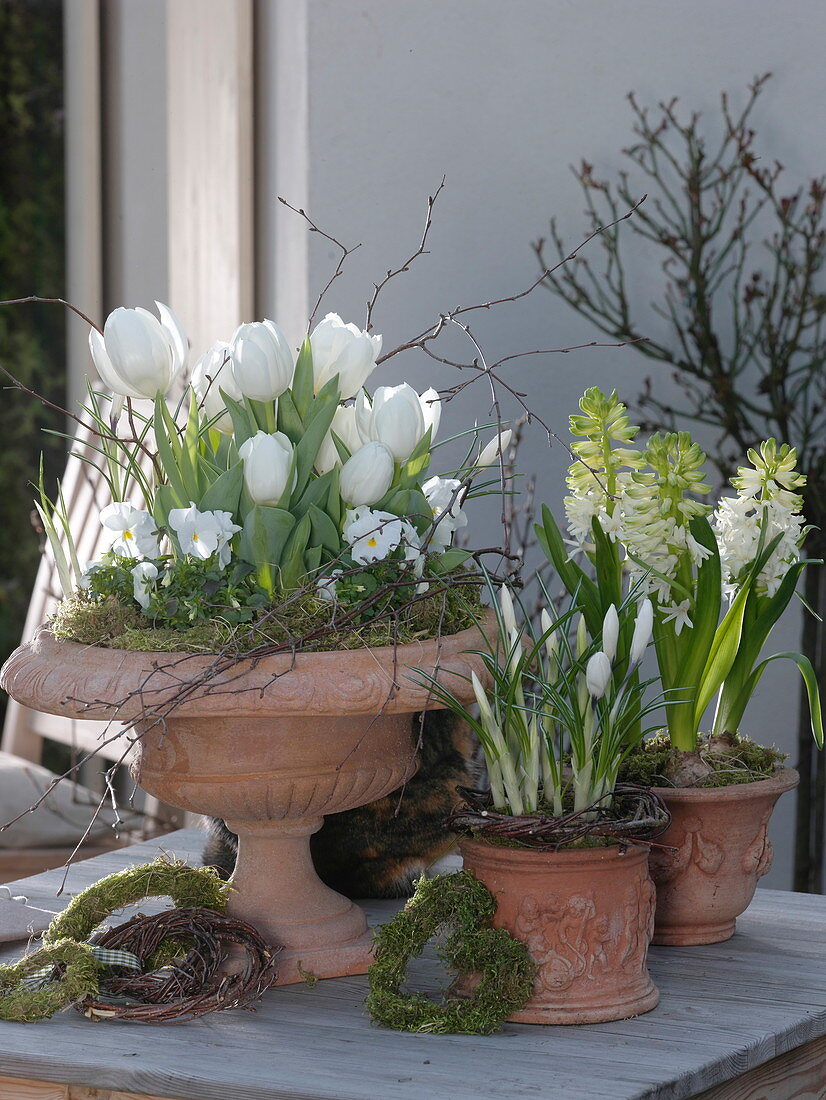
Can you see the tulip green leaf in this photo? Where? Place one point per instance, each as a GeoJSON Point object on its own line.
{"type": "Point", "coordinates": [263, 539]}
{"type": "Point", "coordinates": [289, 422]}
{"type": "Point", "coordinates": [224, 494]}
{"type": "Point", "coordinates": [243, 424]}
{"type": "Point", "coordinates": [448, 560]}
{"type": "Point", "coordinates": [312, 559]}
{"type": "Point", "coordinates": [342, 450]}
{"type": "Point", "coordinates": [317, 493]}
{"type": "Point", "coordinates": [303, 383]}
{"type": "Point", "coordinates": [165, 501]}
{"type": "Point", "coordinates": [324, 531]}
{"type": "Point", "coordinates": [166, 440]}
{"type": "Point", "coordinates": [315, 429]}
{"type": "Point", "coordinates": [292, 570]}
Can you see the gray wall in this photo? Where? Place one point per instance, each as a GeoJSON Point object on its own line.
{"type": "Point", "coordinates": [365, 105]}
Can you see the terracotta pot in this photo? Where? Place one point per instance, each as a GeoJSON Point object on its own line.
{"type": "Point", "coordinates": [586, 916]}
{"type": "Point", "coordinates": [717, 849]}
{"type": "Point", "coordinates": [270, 745]}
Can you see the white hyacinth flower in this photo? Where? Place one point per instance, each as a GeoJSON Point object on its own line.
{"type": "Point", "coordinates": [678, 613]}
{"type": "Point", "coordinates": [144, 576]}
{"type": "Point", "coordinates": [136, 535]}
{"type": "Point", "coordinates": [371, 535]}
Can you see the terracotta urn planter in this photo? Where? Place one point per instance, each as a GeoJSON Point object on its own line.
{"type": "Point", "coordinates": [712, 854]}
{"type": "Point", "coordinates": [270, 745]}
{"type": "Point", "coordinates": [586, 915]}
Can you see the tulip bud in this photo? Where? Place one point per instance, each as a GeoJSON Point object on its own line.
{"type": "Point", "coordinates": [431, 410]}
{"type": "Point", "coordinates": [610, 632]}
{"type": "Point", "coordinates": [495, 447]}
{"type": "Point", "coordinates": [367, 475]}
{"type": "Point", "coordinates": [507, 609]}
{"type": "Point", "coordinates": [397, 419]}
{"type": "Point", "coordinates": [211, 374]}
{"type": "Point", "coordinates": [268, 467]}
{"type": "Point", "coordinates": [345, 427]}
{"type": "Point", "coordinates": [643, 626]}
{"type": "Point", "coordinates": [342, 350]}
{"type": "Point", "coordinates": [262, 361]}
{"type": "Point", "coordinates": [598, 675]}
{"type": "Point", "coordinates": [137, 355]}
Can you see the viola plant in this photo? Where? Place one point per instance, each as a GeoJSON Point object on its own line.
{"type": "Point", "coordinates": [276, 475]}
{"type": "Point", "coordinates": [643, 521]}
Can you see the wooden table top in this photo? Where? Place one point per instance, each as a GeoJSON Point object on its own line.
{"type": "Point", "coordinates": [725, 1009]}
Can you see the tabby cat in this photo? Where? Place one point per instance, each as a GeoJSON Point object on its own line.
{"type": "Point", "coordinates": [379, 850]}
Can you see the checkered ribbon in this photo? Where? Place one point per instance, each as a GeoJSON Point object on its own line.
{"type": "Point", "coordinates": [103, 954]}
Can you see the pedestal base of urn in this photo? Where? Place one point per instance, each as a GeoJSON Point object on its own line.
{"type": "Point", "coordinates": [694, 934]}
{"type": "Point", "coordinates": [276, 889]}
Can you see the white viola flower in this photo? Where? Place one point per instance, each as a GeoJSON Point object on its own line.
{"type": "Point", "coordinates": [212, 373]}
{"type": "Point", "coordinates": [610, 633]}
{"type": "Point", "coordinates": [396, 419]}
{"type": "Point", "coordinates": [136, 535]}
{"type": "Point", "coordinates": [413, 553]}
{"type": "Point", "coordinates": [343, 350]}
{"type": "Point", "coordinates": [444, 495]}
{"type": "Point", "coordinates": [138, 355]}
{"type": "Point", "coordinates": [367, 475]}
{"type": "Point", "coordinates": [345, 427]}
{"type": "Point", "coordinates": [144, 575]}
{"type": "Point", "coordinates": [263, 363]}
{"type": "Point", "coordinates": [598, 674]}
{"type": "Point", "coordinates": [269, 469]}
{"type": "Point", "coordinates": [226, 529]}
{"type": "Point", "coordinates": [84, 581]}
{"type": "Point", "coordinates": [198, 533]}
{"type": "Point", "coordinates": [371, 535]}
{"type": "Point", "coordinates": [494, 448]}
{"type": "Point", "coordinates": [678, 613]}
{"type": "Point", "coordinates": [327, 587]}
{"type": "Point", "coordinates": [643, 628]}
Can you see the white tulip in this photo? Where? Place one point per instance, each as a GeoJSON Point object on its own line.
{"type": "Point", "coordinates": [610, 632]}
{"type": "Point", "coordinates": [431, 410]}
{"type": "Point", "coordinates": [137, 355]}
{"type": "Point", "coordinates": [345, 427]}
{"type": "Point", "coordinates": [397, 419]}
{"type": "Point", "coordinates": [263, 363]}
{"type": "Point", "coordinates": [493, 448]}
{"type": "Point", "coordinates": [268, 467]}
{"type": "Point", "coordinates": [643, 627]}
{"type": "Point", "coordinates": [367, 475]}
{"type": "Point", "coordinates": [343, 350]}
{"type": "Point", "coordinates": [212, 373]}
{"type": "Point", "coordinates": [598, 674]}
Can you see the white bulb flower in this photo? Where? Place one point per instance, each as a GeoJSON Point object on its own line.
{"type": "Point", "coordinates": [212, 373]}
{"type": "Point", "coordinates": [643, 627]}
{"type": "Point", "coordinates": [494, 448]}
{"type": "Point", "coordinates": [345, 351]}
{"type": "Point", "coordinates": [263, 363]}
{"type": "Point", "coordinates": [202, 534]}
{"type": "Point", "coordinates": [345, 427]}
{"type": "Point", "coordinates": [269, 468]}
{"type": "Point", "coordinates": [144, 575]}
{"type": "Point", "coordinates": [610, 633]}
{"type": "Point", "coordinates": [444, 495]}
{"type": "Point", "coordinates": [598, 674]}
{"type": "Point", "coordinates": [367, 475]}
{"type": "Point", "coordinates": [138, 355]}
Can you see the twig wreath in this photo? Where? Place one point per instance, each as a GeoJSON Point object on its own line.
{"type": "Point", "coordinates": [506, 969]}
{"type": "Point", "coordinates": [180, 946]}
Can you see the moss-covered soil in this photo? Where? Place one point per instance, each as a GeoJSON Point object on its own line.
{"type": "Point", "coordinates": [718, 762]}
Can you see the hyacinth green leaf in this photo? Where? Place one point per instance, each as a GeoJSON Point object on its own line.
{"type": "Point", "coordinates": [324, 531]}
{"type": "Point", "coordinates": [288, 420]}
{"type": "Point", "coordinates": [606, 563]}
{"type": "Point", "coordinates": [243, 425]}
{"type": "Point", "coordinates": [293, 571]}
{"type": "Point", "coordinates": [303, 384]}
{"type": "Point", "coordinates": [723, 653]}
{"type": "Point", "coordinates": [579, 584]}
{"type": "Point", "coordinates": [263, 539]}
{"type": "Point", "coordinates": [812, 692]}
{"type": "Point", "coordinates": [224, 494]}
{"type": "Point", "coordinates": [699, 638]}
{"type": "Point", "coordinates": [168, 447]}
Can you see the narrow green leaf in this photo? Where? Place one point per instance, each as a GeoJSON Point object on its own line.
{"type": "Point", "coordinates": [289, 422]}
{"type": "Point", "coordinates": [303, 383]}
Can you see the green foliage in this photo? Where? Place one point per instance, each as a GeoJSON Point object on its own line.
{"type": "Point", "coordinates": [31, 262]}
{"type": "Point", "coordinates": [459, 902]}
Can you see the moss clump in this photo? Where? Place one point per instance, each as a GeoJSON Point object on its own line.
{"type": "Point", "coordinates": [81, 618]}
{"type": "Point", "coordinates": [110, 624]}
{"type": "Point", "coordinates": [506, 970]}
{"type": "Point", "coordinates": [718, 762]}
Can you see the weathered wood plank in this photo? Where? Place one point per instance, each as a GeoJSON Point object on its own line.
{"type": "Point", "coordinates": [725, 1010]}
{"type": "Point", "coordinates": [18, 1089]}
{"type": "Point", "coordinates": [798, 1075]}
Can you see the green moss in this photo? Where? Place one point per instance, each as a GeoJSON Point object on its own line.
{"type": "Point", "coordinates": [109, 624]}
{"type": "Point", "coordinates": [718, 762]}
{"type": "Point", "coordinates": [506, 970]}
{"type": "Point", "coordinates": [21, 1004]}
